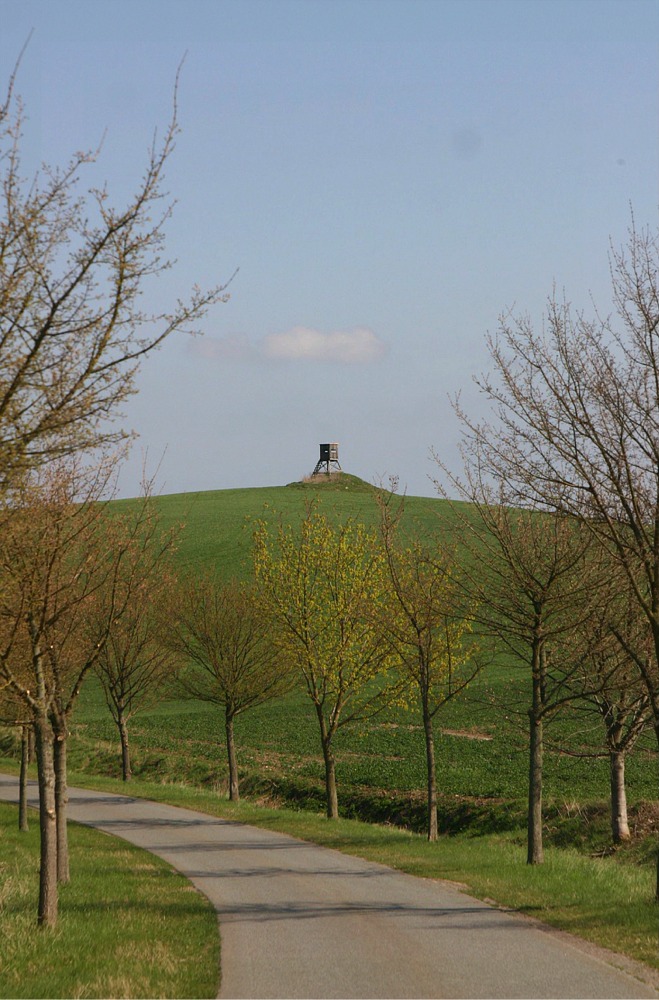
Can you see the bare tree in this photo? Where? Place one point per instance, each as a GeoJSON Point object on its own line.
{"type": "Point", "coordinates": [133, 668]}
{"type": "Point", "coordinates": [72, 336]}
{"type": "Point", "coordinates": [225, 653]}
{"type": "Point", "coordinates": [615, 689]}
{"type": "Point", "coordinates": [538, 585]}
{"type": "Point", "coordinates": [624, 708]}
{"type": "Point", "coordinates": [72, 269]}
{"type": "Point", "coordinates": [427, 622]}
{"type": "Point", "coordinates": [577, 405]}
{"type": "Point", "coordinates": [123, 623]}
{"type": "Point", "coordinates": [24, 673]}
{"type": "Point", "coordinates": [60, 553]}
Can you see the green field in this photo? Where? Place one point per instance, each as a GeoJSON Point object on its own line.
{"type": "Point", "coordinates": [481, 749]}
{"type": "Point", "coordinates": [217, 528]}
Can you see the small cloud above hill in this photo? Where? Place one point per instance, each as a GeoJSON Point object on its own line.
{"type": "Point", "coordinates": [352, 347]}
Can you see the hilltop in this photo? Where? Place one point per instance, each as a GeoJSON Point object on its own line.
{"type": "Point", "coordinates": [334, 481]}
{"type": "Point", "coordinates": [217, 523]}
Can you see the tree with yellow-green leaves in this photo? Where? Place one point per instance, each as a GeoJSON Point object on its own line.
{"type": "Point", "coordinates": [427, 624]}
{"type": "Point", "coordinates": [321, 585]}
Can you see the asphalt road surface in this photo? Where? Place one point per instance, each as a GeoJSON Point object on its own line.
{"type": "Point", "coordinates": [302, 921]}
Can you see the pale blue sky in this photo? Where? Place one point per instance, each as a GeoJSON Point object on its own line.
{"type": "Point", "coordinates": [388, 176]}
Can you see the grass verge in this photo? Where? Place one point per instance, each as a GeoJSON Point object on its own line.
{"type": "Point", "coordinates": [129, 925]}
{"type": "Point", "coordinates": [596, 898]}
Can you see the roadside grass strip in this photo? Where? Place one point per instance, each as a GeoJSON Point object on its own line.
{"type": "Point", "coordinates": [129, 925]}
{"type": "Point", "coordinates": [605, 900]}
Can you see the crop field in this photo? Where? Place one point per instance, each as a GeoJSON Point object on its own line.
{"type": "Point", "coordinates": [217, 525]}
{"type": "Point", "coordinates": [481, 758]}
{"type": "Point", "coordinates": [481, 750]}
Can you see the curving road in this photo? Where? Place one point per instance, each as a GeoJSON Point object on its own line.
{"type": "Point", "coordinates": [303, 921]}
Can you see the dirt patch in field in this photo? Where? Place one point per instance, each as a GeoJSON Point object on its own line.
{"type": "Point", "coordinates": [471, 734]}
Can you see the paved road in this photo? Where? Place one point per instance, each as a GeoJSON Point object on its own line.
{"type": "Point", "coordinates": [302, 921]}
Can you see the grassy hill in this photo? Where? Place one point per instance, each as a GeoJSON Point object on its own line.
{"type": "Point", "coordinates": [217, 522]}
{"type": "Point", "coordinates": [481, 749]}
{"type": "Point", "coordinates": [482, 758]}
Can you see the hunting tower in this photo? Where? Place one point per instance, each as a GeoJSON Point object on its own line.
{"type": "Point", "coordinates": [329, 459]}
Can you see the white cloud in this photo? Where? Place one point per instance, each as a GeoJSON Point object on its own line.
{"type": "Point", "coordinates": [353, 347]}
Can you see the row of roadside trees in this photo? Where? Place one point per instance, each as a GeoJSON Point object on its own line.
{"type": "Point", "coordinates": [359, 619]}
{"type": "Point", "coordinates": [365, 619]}
{"type": "Point", "coordinates": [373, 620]}
{"type": "Point", "coordinates": [559, 553]}
{"type": "Point", "coordinates": [387, 616]}
{"type": "Point", "coordinates": [569, 460]}
{"type": "Point", "coordinates": [73, 333]}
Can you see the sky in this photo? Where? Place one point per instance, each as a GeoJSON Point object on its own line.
{"type": "Point", "coordinates": [378, 181]}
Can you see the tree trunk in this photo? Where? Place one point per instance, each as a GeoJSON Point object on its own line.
{"type": "Point", "coordinates": [655, 726]}
{"type": "Point", "coordinates": [126, 772]}
{"type": "Point", "coordinates": [47, 915]}
{"type": "Point", "coordinates": [619, 822]}
{"type": "Point", "coordinates": [22, 783]}
{"type": "Point", "coordinates": [431, 775]}
{"type": "Point", "coordinates": [61, 801]}
{"type": "Point", "coordinates": [330, 782]}
{"type": "Point", "coordinates": [234, 789]}
{"type": "Point", "coordinates": [535, 853]}
{"type": "Point", "coordinates": [330, 766]}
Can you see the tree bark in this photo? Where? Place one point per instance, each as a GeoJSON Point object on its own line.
{"type": "Point", "coordinates": [126, 771]}
{"type": "Point", "coordinates": [619, 821]}
{"type": "Point", "coordinates": [48, 897]}
{"type": "Point", "coordinates": [234, 788]}
{"type": "Point", "coordinates": [535, 852]}
{"type": "Point", "coordinates": [330, 766]}
{"type": "Point", "coordinates": [655, 726]}
{"type": "Point", "coordinates": [330, 782]}
{"type": "Point", "coordinates": [431, 773]}
{"type": "Point", "coordinates": [61, 801]}
{"type": "Point", "coordinates": [23, 825]}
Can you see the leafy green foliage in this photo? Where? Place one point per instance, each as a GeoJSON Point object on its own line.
{"type": "Point", "coordinates": [280, 758]}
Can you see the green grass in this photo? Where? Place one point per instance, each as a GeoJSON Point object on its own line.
{"type": "Point", "coordinates": [129, 925]}
{"type": "Point", "coordinates": [280, 760]}
{"type": "Point", "coordinates": [281, 737]}
{"type": "Point", "coordinates": [179, 757]}
{"type": "Point", "coordinates": [597, 898]}
{"type": "Point", "coordinates": [217, 530]}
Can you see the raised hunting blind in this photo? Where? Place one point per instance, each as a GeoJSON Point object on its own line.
{"type": "Point", "coordinates": [329, 459]}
